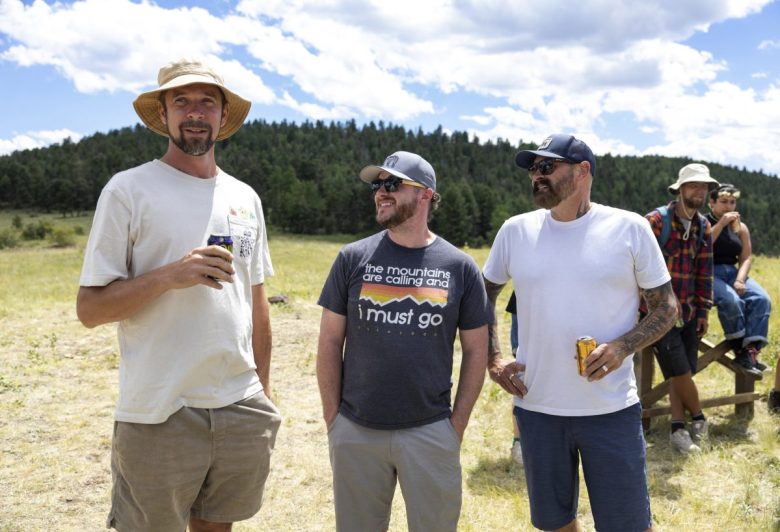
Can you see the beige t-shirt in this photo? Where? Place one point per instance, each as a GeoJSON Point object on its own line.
{"type": "Point", "coordinates": [193, 346]}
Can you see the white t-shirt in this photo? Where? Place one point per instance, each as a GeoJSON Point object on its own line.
{"type": "Point", "coordinates": [193, 346]}
{"type": "Point", "coordinates": [572, 279]}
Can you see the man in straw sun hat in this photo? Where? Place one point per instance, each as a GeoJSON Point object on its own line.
{"type": "Point", "coordinates": [686, 242]}
{"type": "Point", "coordinates": [194, 424]}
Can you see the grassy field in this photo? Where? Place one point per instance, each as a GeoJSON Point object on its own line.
{"type": "Point", "coordinates": [58, 386]}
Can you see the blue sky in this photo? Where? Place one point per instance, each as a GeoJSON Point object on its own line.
{"type": "Point", "coordinates": [698, 78]}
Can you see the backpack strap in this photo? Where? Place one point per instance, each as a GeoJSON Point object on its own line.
{"type": "Point", "coordinates": [666, 225]}
{"type": "Point", "coordinates": [666, 228]}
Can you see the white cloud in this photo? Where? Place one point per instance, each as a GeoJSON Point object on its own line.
{"type": "Point", "coordinates": [769, 44]}
{"type": "Point", "coordinates": [338, 59]}
{"type": "Point", "coordinates": [113, 45]}
{"type": "Point", "coordinates": [482, 120]}
{"type": "Point", "coordinates": [36, 139]}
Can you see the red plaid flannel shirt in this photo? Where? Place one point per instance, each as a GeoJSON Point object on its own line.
{"type": "Point", "coordinates": [690, 268]}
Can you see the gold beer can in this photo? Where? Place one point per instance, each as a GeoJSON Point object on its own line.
{"type": "Point", "coordinates": [585, 344]}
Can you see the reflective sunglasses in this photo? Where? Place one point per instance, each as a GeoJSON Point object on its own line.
{"type": "Point", "coordinates": [392, 183]}
{"type": "Point", "coordinates": [546, 166]}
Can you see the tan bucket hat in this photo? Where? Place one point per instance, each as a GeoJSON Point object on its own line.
{"type": "Point", "coordinates": [186, 72]}
{"type": "Point", "coordinates": [693, 173]}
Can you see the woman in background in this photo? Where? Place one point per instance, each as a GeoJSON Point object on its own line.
{"type": "Point", "coordinates": [743, 305]}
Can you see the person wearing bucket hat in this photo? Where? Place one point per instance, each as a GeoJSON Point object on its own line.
{"type": "Point", "coordinates": [685, 239]}
{"type": "Point", "coordinates": [177, 255]}
{"type": "Point", "coordinates": [693, 173]}
{"type": "Point", "coordinates": [577, 268]}
{"type": "Point", "coordinates": [391, 307]}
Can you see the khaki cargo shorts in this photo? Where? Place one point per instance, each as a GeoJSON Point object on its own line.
{"type": "Point", "coordinates": [207, 463]}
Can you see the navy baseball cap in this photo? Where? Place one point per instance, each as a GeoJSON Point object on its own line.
{"type": "Point", "coordinates": [558, 146]}
{"type": "Point", "coordinates": [404, 165]}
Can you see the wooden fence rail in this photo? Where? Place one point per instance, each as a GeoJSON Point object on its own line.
{"type": "Point", "coordinates": [644, 368]}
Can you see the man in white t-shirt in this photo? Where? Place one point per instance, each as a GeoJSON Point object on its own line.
{"type": "Point", "coordinates": [577, 269]}
{"type": "Point", "coordinates": [194, 424]}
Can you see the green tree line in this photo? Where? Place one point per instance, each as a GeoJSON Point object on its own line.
{"type": "Point", "coordinates": [306, 175]}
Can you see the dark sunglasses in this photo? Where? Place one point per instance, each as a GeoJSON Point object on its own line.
{"type": "Point", "coordinates": [391, 184]}
{"type": "Point", "coordinates": [546, 167]}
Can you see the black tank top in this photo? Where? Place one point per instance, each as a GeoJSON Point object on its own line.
{"type": "Point", "coordinates": [728, 246]}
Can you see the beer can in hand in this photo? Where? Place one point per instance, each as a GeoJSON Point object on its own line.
{"type": "Point", "coordinates": [735, 225]}
{"type": "Point", "coordinates": [222, 241]}
{"type": "Point", "coordinates": [585, 345]}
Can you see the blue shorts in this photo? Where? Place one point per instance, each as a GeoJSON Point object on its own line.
{"type": "Point", "coordinates": [612, 448]}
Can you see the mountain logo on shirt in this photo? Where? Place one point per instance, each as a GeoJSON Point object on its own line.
{"type": "Point", "coordinates": [381, 294]}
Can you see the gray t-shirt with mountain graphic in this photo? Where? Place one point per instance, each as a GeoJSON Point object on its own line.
{"type": "Point", "coordinates": [403, 308]}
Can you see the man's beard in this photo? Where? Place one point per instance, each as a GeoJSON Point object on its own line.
{"type": "Point", "coordinates": [554, 194]}
{"type": "Point", "coordinates": [194, 146]}
{"type": "Point", "coordinates": [403, 211]}
{"type": "Point", "coordinates": [693, 203]}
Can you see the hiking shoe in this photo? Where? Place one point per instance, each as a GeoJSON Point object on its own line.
{"type": "Point", "coordinates": [763, 368]}
{"type": "Point", "coordinates": [517, 452]}
{"type": "Point", "coordinates": [774, 402]}
{"type": "Point", "coordinates": [682, 442]}
{"type": "Point", "coordinates": [700, 430]}
{"type": "Point", "coordinates": [743, 364]}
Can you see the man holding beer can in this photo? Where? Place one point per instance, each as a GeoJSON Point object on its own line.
{"type": "Point", "coordinates": [178, 255]}
{"type": "Point", "coordinates": [577, 268]}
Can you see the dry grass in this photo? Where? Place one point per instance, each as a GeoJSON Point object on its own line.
{"type": "Point", "coordinates": [58, 386]}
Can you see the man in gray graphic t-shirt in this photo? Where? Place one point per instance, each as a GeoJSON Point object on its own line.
{"type": "Point", "coordinates": [391, 307]}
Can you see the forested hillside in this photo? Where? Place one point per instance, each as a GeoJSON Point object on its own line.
{"type": "Point", "coordinates": [306, 176]}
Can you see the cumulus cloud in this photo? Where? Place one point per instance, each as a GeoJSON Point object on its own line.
{"type": "Point", "coordinates": [339, 59]}
{"type": "Point", "coordinates": [113, 45]}
{"type": "Point", "coordinates": [36, 139]}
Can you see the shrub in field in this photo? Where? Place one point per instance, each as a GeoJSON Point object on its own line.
{"type": "Point", "coordinates": [8, 238]}
{"type": "Point", "coordinates": [78, 230]}
{"type": "Point", "coordinates": [62, 237]}
{"type": "Point", "coordinates": [17, 222]}
{"type": "Point", "coordinates": [37, 231]}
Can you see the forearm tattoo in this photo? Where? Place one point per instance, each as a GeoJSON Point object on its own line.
{"type": "Point", "coordinates": [661, 314]}
{"type": "Point", "coordinates": [494, 345]}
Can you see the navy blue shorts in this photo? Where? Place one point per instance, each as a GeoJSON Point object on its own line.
{"type": "Point", "coordinates": [677, 351]}
{"type": "Point", "coordinates": [612, 448]}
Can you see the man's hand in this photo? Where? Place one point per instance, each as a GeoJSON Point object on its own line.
{"type": "Point", "coordinates": [603, 360]}
{"type": "Point", "coordinates": [459, 426]}
{"type": "Point", "coordinates": [122, 298]}
{"type": "Point", "coordinates": [701, 326]}
{"type": "Point", "coordinates": [329, 418]}
{"type": "Point", "coordinates": [504, 373]}
{"type": "Point", "coordinates": [207, 265]}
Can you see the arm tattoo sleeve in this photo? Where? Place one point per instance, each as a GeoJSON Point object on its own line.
{"type": "Point", "coordinates": [494, 346]}
{"type": "Point", "coordinates": [661, 314]}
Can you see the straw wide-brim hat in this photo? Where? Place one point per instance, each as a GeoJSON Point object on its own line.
{"type": "Point", "coordinates": [186, 72]}
{"type": "Point", "coordinates": [693, 173]}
